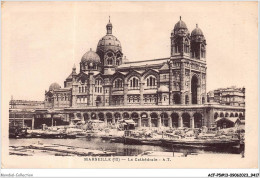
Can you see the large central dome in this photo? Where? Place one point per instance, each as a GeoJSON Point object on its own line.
{"type": "Point", "coordinates": [109, 41]}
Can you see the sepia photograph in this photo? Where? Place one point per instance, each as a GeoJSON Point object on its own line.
{"type": "Point", "coordinates": [129, 84]}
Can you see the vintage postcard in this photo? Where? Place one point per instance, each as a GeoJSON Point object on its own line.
{"type": "Point", "coordinates": [129, 84]}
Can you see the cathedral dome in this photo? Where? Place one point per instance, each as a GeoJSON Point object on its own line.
{"type": "Point", "coordinates": [180, 25]}
{"type": "Point", "coordinates": [109, 41]}
{"type": "Point", "coordinates": [197, 31]}
{"type": "Point", "coordinates": [90, 56]}
{"type": "Point", "coordinates": [54, 86]}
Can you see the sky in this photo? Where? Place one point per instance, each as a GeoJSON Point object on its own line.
{"type": "Point", "coordinates": [41, 41]}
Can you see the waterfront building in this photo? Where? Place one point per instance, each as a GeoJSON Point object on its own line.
{"type": "Point", "coordinates": [165, 92]}
{"type": "Point", "coordinates": [24, 104]}
{"type": "Point", "coordinates": [228, 96]}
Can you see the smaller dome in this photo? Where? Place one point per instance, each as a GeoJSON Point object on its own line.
{"type": "Point", "coordinates": [54, 86]}
{"type": "Point", "coordinates": [180, 25]}
{"type": "Point", "coordinates": [90, 56]}
{"type": "Point", "coordinates": [163, 89]}
{"type": "Point", "coordinates": [197, 31]}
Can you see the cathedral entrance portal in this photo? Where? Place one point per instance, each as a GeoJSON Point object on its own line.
{"type": "Point", "coordinates": [194, 89]}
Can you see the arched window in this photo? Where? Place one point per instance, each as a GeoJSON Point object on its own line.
{"type": "Point", "coordinates": [98, 85]}
{"type": "Point", "coordinates": [118, 83]}
{"type": "Point", "coordinates": [203, 100]}
{"type": "Point", "coordinates": [151, 82]}
{"type": "Point", "coordinates": [186, 99]}
{"type": "Point", "coordinates": [117, 62]}
{"type": "Point", "coordinates": [203, 51]}
{"type": "Point", "coordinates": [134, 83]}
{"type": "Point", "coordinates": [186, 46]}
{"type": "Point", "coordinates": [109, 61]}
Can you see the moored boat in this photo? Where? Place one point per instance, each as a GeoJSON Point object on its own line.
{"type": "Point", "coordinates": [193, 142]}
{"type": "Point", "coordinates": [141, 141]}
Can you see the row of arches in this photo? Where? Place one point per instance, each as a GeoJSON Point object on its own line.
{"type": "Point", "coordinates": [153, 119]}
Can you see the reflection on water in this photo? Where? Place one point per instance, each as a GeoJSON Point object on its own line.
{"type": "Point", "coordinates": [120, 148]}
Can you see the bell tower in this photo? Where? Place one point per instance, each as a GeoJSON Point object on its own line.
{"type": "Point", "coordinates": [180, 39]}
{"type": "Point", "coordinates": [188, 65]}
{"type": "Point", "coordinates": [198, 44]}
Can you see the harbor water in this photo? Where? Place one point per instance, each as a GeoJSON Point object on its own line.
{"type": "Point", "coordinates": [120, 149]}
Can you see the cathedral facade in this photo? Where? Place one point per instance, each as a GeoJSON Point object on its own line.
{"type": "Point", "coordinates": [106, 78]}
{"type": "Point", "coordinates": [166, 92]}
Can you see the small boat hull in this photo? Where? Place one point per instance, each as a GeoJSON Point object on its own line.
{"type": "Point", "coordinates": [200, 143]}
{"type": "Point", "coordinates": [141, 141]}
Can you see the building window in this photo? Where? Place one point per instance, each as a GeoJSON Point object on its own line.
{"type": "Point", "coordinates": [151, 82]}
{"type": "Point", "coordinates": [134, 83]}
{"type": "Point", "coordinates": [109, 61]}
{"type": "Point", "coordinates": [118, 84]}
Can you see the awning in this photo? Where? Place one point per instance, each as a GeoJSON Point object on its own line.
{"type": "Point", "coordinates": [231, 119]}
{"type": "Point", "coordinates": [130, 121]}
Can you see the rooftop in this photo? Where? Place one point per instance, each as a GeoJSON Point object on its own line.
{"type": "Point", "coordinates": [144, 63]}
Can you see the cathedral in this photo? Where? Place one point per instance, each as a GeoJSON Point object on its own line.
{"type": "Point", "coordinates": [107, 78]}
{"type": "Point", "coordinates": [166, 92]}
